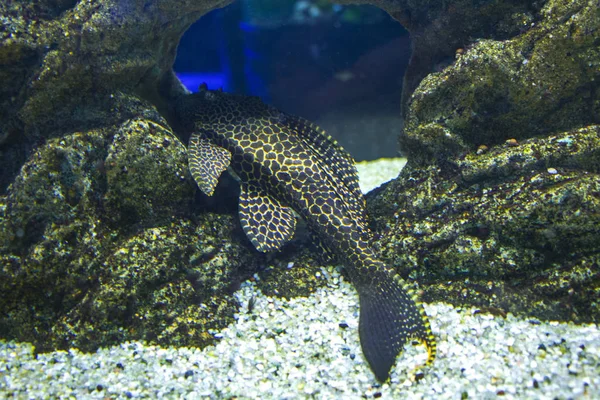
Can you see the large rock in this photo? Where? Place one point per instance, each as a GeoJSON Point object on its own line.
{"type": "Point", "coordinates": [100, 245]}
{"type": "Point", "coordinates": [438, 28]}
{"type": "Point", "coordinates": [540, 82]}
{"type": "Point", "coordinates": [99, 242]}
{"type": "Point", "coordinates": [499, 203]}
{"type": "Point", "coordinates": [61, 61]}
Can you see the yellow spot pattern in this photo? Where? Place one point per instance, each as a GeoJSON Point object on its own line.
{"type": "Point", "coordinates": [287, 164]}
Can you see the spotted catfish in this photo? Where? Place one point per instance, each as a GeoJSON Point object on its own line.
{"type": "Point", "coordinates": [286, 164]}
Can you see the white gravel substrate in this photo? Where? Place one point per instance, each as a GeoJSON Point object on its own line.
{"type": "Point", "coordinates": [301, 348]}
{"type": "Point", "coordinates": [374, 173]}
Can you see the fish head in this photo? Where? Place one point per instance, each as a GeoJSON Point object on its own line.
{"type": "Point", "coordinates": [213, 107]}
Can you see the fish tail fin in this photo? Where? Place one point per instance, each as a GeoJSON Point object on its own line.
{"type": "Point", "coordinates": [390, 315]}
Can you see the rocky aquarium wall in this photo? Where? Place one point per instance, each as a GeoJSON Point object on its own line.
{"type": "Point", "coordinates": [103, 238]}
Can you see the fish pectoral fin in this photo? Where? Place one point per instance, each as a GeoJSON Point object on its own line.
{"type": "Point", "coordinates": [207, 162]}
{"type": "Point", "coordinates": [267, 223]}
{"type": "Point", "coordinates": [390, 315]}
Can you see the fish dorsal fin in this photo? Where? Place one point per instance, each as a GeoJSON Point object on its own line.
{"type": "Point", "coordinates": [207, 162]}
{"type": "Point", "coordinates": [334, 155]}
{"type": "Point", "coordinates": [268, 224]}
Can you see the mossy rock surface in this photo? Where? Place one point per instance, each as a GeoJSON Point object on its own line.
{"type": "Point", "coordinates": [100, 243]}
{"type": "Point", "coordinates": [439, 28]}
{"type": "Point", "coordinates": [526, 241]}
{"type": "Point", "coordinates": [498, 204]}
{"type": "Point", "coordinates": [541, 82]}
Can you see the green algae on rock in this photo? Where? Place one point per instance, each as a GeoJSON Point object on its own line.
{"type": "Point", "coordinates": [526, 243]}
{"type": "Point", "coordinates": [137, 191]}
{"type": "Point", "coordinates": [90, 169]}
{"type": "Point", "coordinates": [540, 82]}
{"type": "Point", "coordinates": [577, 149]}
{"type": "Point", "coordinates": [439, 28]}
{"type": "Point", "coordinates": [498, 205]}
{"type": "Point", "coordinates": [96, 228]}
{"type": "Point", "coordinates": [59, 55]}
{"type": "Point", "coordinates": [294, 273]}
{"type": "Point", "coordinates": [61, 61]}
{"type": "Point", "coordinates": [98, 244]}
{"type": "Point", "coordinates": [171, 294]}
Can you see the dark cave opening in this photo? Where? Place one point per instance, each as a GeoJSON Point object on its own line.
{"type": "Point", "coordinates": [338, 66]}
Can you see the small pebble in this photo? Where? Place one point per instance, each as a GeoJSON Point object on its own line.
{"type": "Point", "coordinates": [482, 149]}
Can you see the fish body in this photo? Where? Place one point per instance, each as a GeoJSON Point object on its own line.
{"type": "Point", "coordinates": [287, 165]}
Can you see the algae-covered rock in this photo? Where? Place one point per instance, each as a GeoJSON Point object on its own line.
{"type": "Point", "coordinates": [146, 170]}
{"type": "Point", "coordinates": [168, 284]}
{"type": "Point", "coordinates": [439, 28]}
{"type": "Point", "coordinates": [98, 239]}
{"type": "Point", "coordinates": [101, 240]}
{"type": "Point", "coordinates": [528, 242]}
{"type": "Point", "coordinates": [60, 61]}
{"type": "Point", "coordinates": [498, 205]}
{"type": "Point", "coordinates": [540, 82]}
{"type": "Point", "coordinates": [99, 243]}
{"type": "Point", "coordinates": [172, 293]}
{"type": "Point", "coordinates": [59, 55]}
{"type": "Point", "coordinates": [87, 173]}
{"type": "Point", "coordinates": [297, 271]}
